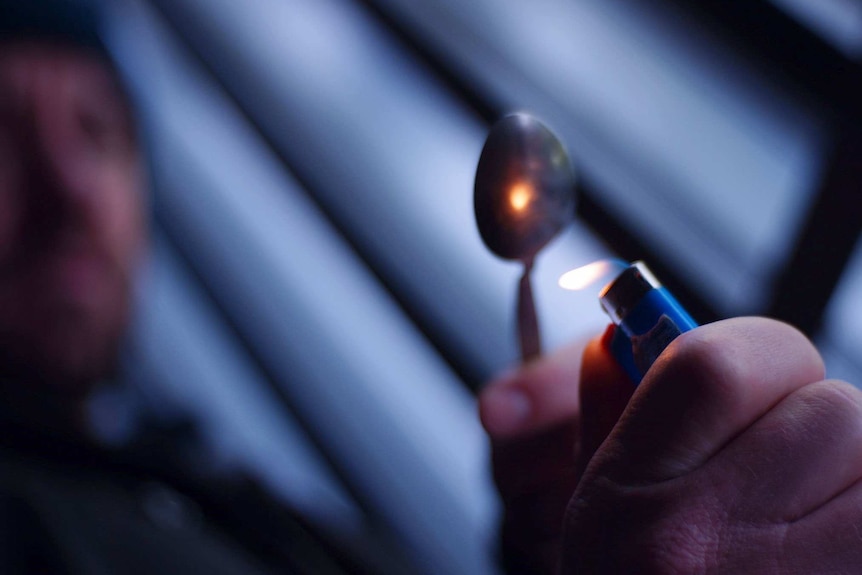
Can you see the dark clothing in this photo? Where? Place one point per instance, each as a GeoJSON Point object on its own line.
{"type": "Point", "coordinates": [71, 508]}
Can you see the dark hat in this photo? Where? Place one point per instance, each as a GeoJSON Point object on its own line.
{"type": "Point", "coordinates": [72, 21]}
{"type": "Point", "coordinates": [77, 23]}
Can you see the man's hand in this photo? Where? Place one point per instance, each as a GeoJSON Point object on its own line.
{"type": "Point", "coordinates": [541, 443]}
{"type": "Point", "coordinates": [733, 456]}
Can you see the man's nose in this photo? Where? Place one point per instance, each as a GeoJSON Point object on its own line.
{"type": "Point", "coordinates": [60, 179]}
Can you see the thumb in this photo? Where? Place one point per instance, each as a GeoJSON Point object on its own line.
{"type": "Point", "coordinates": [707, 387]}
{"type": "Point", "coordinates": [605, 391]}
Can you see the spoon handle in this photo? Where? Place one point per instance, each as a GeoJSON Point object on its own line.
{"type": "Point", "coordinates": [528, 323]}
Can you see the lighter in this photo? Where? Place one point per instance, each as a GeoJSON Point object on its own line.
{"type": "Point", "coordinates": [647, 317]}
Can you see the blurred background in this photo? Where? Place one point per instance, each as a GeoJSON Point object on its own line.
{"type": "Point", "coordinates": [319, 303]}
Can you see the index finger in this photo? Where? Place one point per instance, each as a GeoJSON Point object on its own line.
{"type": "Point", "coordinates": [708, 386]}
{"type": "Point", "coordinates": [535, 397]}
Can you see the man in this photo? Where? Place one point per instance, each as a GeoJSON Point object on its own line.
{"type": "Point", "coordinates": [72, 233]}
{"type": "Point", "coordinates": [71, 220]}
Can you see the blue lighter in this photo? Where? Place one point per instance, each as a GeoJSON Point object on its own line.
{"type": "Point", "coordinates": [647, 317]}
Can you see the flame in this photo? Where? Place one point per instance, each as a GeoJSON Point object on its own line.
{"type": "Point", "coordinates": [520, 197]}
{"type": "Point", "coordinates": [585, 276]}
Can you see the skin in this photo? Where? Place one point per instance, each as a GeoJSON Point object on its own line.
{"type": "Point", "coordinates": [734, 455]}
{"type": "Point", "coordinates": [545, 420]}
{"type": "Point", "coordinates": [71, 221]}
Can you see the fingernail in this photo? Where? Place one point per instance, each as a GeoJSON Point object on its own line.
{"type": "Point", "coordinates": [504, 410]}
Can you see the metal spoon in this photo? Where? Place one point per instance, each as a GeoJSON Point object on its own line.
{"type": "Point", "coordinates": [524, 195]}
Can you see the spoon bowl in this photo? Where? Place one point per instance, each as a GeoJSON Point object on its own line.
{"type": "Point", "coordinates": [524, 192]}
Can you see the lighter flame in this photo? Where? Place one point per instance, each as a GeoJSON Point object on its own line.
{"type": "Point", "coordinates": [520, 197]}
{"type": "Point", "coordinates": [585, 276]}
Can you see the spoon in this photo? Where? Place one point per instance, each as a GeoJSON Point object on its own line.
{"type": "Point", "coordinates": [523, 196]}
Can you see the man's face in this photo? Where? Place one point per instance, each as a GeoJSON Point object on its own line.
{"type": "Point", "coordinates": [71, 219]}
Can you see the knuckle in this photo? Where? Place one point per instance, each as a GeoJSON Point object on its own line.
{"type": "Point", "coordinates": [704, 364]}
{"type": "Point", "coordinates": [726, 363]}
{"type": "Point", "coordinates": [832, 401]}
